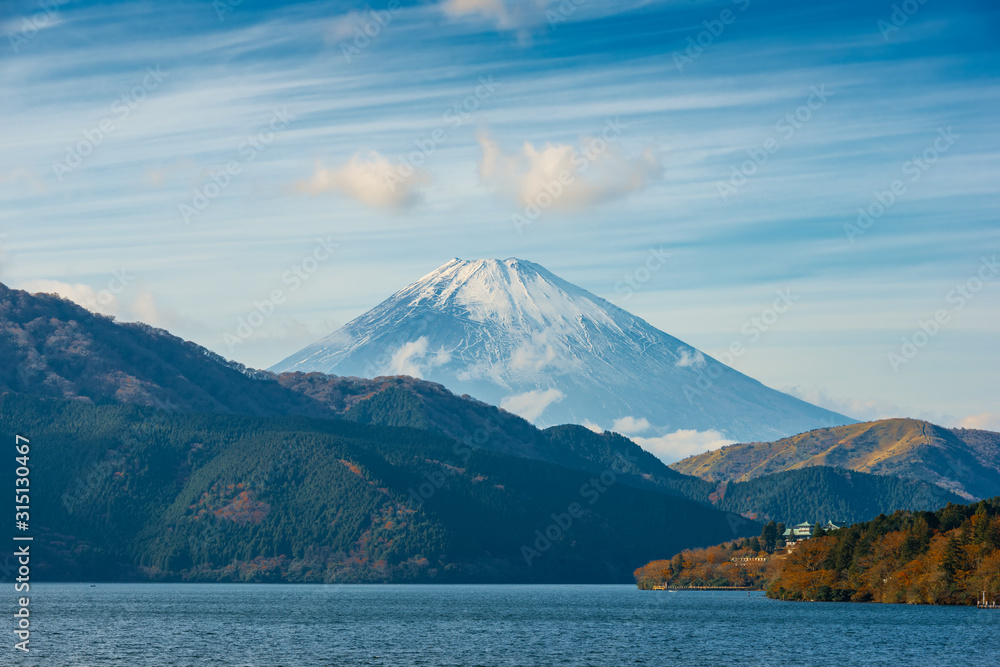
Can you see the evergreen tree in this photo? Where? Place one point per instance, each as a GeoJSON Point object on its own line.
{"type": "Point", "coordinates": [952, 561]}
{"type": "Point", "coordinates": [677, 564]}
{"type": "Point", "coordinates": [769, 536]}
{"type": "Point", "coordinates": [911, 546]}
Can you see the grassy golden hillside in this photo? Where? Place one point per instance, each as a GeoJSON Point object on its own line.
{"type": "Point", "coordinates": [966, 462]}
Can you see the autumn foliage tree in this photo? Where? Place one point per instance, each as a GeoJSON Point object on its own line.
{"type": "Point", "coordinates": [944, 557]}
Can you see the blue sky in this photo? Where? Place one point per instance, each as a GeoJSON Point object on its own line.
{"type": "Point", "coordinates": [179, 163]}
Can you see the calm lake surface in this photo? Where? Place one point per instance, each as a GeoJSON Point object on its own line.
{"type": "Point", "coordinates": [232, 624]}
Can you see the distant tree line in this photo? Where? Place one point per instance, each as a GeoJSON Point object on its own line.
{"type": "Point", "coordinates": [949, 556]}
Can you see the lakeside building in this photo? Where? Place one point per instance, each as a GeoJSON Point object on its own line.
{"type": "Point", "coordinates": [798, 532]}
{"type": "Point", "coordinates": [803, 531]}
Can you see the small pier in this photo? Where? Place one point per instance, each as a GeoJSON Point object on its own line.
{"type": "Point", "coordinates": [981, 603]}
{"type": "Point", "coordinates": [657, 587]}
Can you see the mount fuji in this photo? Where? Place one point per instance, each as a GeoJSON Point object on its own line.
{"type": "Point", "coordinates": [513, 334]}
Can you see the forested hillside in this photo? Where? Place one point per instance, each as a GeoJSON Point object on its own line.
{"type": "Point", "coordinates": [405, 401]}
{"type": "Point", "coordinates": [785, 496]}
{"type": "Point", "coordinates": [830, 494]}
{"type": "Point", "coordinates": [123, 492]}
{"type": "Point", "coordinates": [943, 557]}
{"type": "Point", "coordinates": [964, 461]}
{"type": "Point", "coordinates": [951, 556]}
{"type": "Point", "coordinates": [51, 347]}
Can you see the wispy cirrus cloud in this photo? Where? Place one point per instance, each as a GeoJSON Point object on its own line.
{"type": "Point", "coordinates": [558, 86]}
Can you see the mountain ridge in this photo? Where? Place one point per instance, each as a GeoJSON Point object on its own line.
{"type": "Point", "coordinates": [52, 348]}
{"type": "Point", "coordinates": [513, 334]}
{"type": "Point", "coordinates": [964, 461]}
{"type": "Point", "coordinates": [790, 496]}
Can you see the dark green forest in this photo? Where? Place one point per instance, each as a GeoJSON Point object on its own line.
{"type": "Point", "coordinates": [132, 493]}
{"type": "Point", "coordinates": [790, 496]}
{"type": "Point", "coordinates": [830, 494]}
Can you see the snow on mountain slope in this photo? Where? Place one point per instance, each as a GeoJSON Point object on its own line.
{"type": "Point", "coordinates": [512, 334]}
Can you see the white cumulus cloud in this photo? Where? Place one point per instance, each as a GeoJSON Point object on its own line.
{"type": "Point", "coordinates": [539, 354]}
{"type": "Point", "coordinates": [683, 443]}
{"type": "Point", "coordinates": [520, 15]}
{"type": "Point", "coordinates": [415, 360]}
{"type": "Point", "coordinates": [987, 421]}
{"type": "Point", "coordinates": [628, 425]}
{"type": "Point", "coordinates": [24, 175]}
{"type": "Point", "coordinates": [130, 304]}
{"type": "Point", "coordinates": [530, 357]}
{"type": "Point", "coordinates": [565, 177]}
{"type": "Point", "coordinates": [856, 408]}
{"type": "Point", "coordinates": [531, 404]}
{"type": "Point", "coordinates": [370, 179]}
{"type": "Point", "coordinates": [96, 301]}
{"type": "Point", "coordinates": [696, 360]}
{"type": "Point", "coordinates": [491, 8]}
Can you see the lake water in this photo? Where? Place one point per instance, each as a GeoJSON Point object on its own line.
{"type": "Point", "coordinates": [232, 624]}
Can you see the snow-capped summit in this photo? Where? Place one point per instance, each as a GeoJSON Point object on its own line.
{"type": "Point", "coordinates": [511, 333]}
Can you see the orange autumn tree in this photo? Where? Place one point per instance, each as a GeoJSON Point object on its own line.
{"type": "Point", "coordinates": [949, 556]}
{"type": "Point", "coordinates": [718, 566]}
{"type": "Point", "coordinates": [944, 557]}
